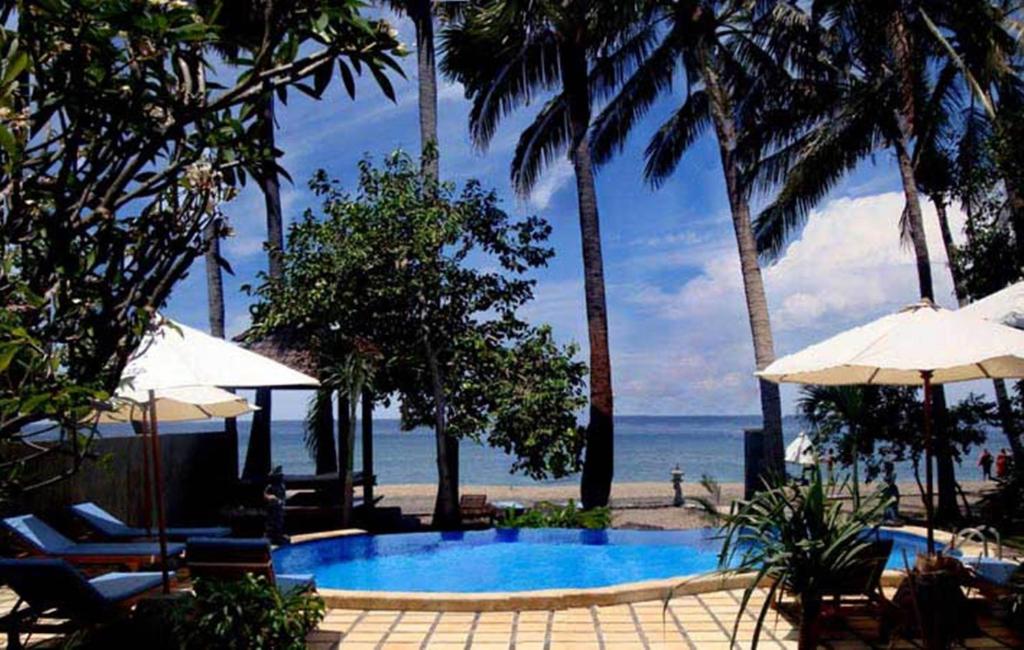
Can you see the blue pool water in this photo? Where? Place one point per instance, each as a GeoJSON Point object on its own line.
{"type": "Point", "coordinates": [515, 560]}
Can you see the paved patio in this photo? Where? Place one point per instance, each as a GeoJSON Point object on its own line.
{"type": "Point", "coordinates": [700, 622]}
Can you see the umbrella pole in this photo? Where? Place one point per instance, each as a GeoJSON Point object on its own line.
{"type": "Point", "coordinates": [158, 483]}
{"type": "Point", "coordinates": [929, 505]}
{"type": "Point", "coordinates": [147, 495]}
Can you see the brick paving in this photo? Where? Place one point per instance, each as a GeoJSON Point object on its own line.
{"type": "Point", "coordinates": [699, 622]}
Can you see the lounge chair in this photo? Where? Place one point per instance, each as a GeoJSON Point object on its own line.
{"type": "Point", "coordinates": [54, 597]}
{"type": "Point", "coordinates": [230, 559]}
{"type": "Point", "coordinates": [110, 527]}
{"type": "Point", "coordinates": [37, 537]}
{"type": "Point", "coordinates": [863, 581]}
{"type": "Point", "coordinates": [475, 509]}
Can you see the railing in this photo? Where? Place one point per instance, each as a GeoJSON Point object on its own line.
{"type": "Point", "coordinates": [978, 535]}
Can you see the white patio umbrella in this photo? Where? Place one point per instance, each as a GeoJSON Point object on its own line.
{"type": "Point", "coordinates": [173, 351]}
{"type": "Point", "coordinates": [177, 374]}
{"type": "Point", "coordinates": [1006, 307]}
{"type": "Point", "coordinates": [183, 404]}
{"type": "Point", "coordinates": [801, 450]}
{"type": "Point", "coordinates": [921, 345]}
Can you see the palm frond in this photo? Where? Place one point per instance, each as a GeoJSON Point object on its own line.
{"type": "Point", "coordinates": [500, 74]}
{"type": "Point", "coordinates": [541, 144]}
{"type": "Point", "coordinates": [654, 77]}
{"type": "Point", "coordinates": [675, 136]}
{"type": "Point", "coordinates": [826, 155]}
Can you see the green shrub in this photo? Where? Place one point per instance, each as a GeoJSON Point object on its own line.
{"type": "Point", "coordinates": [246, 614]}
{"type": "Point", "coordinates": [550, 515]}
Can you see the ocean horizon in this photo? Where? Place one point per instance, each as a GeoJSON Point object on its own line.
{"type": "Point", "coordinates": [647, 448]}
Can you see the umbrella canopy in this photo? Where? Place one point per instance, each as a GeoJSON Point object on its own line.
{"type": "Point", "coordinates": [896, 349]}
{"type": "Point", "coordinates": [919, 346]}
{"type": "Point", "coordinates": [174, 355]}
{"type": "Point", "coordinates": [800, 451]}
{"type": "Point", "coordinates": [1006, 307]}
{"type": "Point", "coordinates": [184, 404]}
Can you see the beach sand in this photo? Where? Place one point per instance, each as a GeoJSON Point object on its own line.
{"type": "Point", "coordinates": [634, 505]}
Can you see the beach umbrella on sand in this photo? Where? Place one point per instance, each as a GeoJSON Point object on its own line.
{"type": "Point", "coordinates": [921, 345]}
{"type": "Point", "coordinates": [801, 450]}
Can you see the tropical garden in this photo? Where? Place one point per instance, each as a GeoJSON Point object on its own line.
{"type": "Point", "coordinates": [126, 126]}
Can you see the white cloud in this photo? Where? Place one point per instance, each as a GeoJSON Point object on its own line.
{"type": "Point", "coordinates": [554, 179]}
{"type": "Point", "coordinates": [691, 351]}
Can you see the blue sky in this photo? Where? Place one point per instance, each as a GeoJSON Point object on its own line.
{"type": "Point", "coordinates": [679, 336]}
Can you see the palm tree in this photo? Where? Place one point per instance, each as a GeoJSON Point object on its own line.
{"type": "Point", "coordinates": [506, 54]}
{"type": "Point", "coordinates": [712, 44]}
{"type": "Point", "coordinates": [421, 12]}
{"type": "Point", "coordinates": [875, 76]}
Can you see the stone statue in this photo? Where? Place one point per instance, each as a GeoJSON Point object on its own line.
{"type": "Point", "coordinates": [273, 499]}
{"type": "Point", "coordinates": [677, 485]}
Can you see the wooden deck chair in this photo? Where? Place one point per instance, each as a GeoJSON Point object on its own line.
{"type": "Point", "coordinates": [230, 559]}
{"type": "Point", "coordinates": [54, 597]}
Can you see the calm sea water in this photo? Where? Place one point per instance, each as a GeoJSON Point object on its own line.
{"type": "Point", "coordinates": [646, 449]}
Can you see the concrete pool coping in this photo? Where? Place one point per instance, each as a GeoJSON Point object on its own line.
{"type": "Point", "coordinates": [555, 599]}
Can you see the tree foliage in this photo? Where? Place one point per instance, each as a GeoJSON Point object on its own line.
{"type": "Point", "coordinates": [430, 273]}
{"type": "Point", "coordinates": [115, 153]}
{"type": "Point", "coordinates": [881, 424]}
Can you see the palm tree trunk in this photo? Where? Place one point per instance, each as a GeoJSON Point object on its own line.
{"type": "Point", "coordinates": [753, 282]}
{"type": "Point", "coordinates": [599, 455]}
{"type": "Point", "coordinates": [947, 509]}
{"type": "Point", "coordinates": [214, 281]}
{"type": "Point", "coordinates": [258, 453]}
{"type": "Point", "coordinates": [271, 186]}
{"type": "Point", "coordinates": [215, 310]}
{"type": "Point", "coordinates": [1005, 409]}
{"type": "Point", "coordinates": [421, 11]}
{"type": "Point", "coordinates": [426, 69]}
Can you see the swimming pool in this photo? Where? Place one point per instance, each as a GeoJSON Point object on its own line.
{"type": "Point", "coordinates": [516, 560]}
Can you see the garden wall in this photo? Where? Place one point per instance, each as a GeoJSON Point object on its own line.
{"type": "Point", "coordinates": [199, 470]}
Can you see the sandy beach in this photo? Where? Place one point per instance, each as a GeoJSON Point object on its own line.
{"type": "Point", "coordinates": [634, 505]}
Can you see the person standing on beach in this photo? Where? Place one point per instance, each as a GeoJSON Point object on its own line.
{"type": "Point", "coordinates": [985, 463]}
{"type": "Point", "coordinates": [1002, 464]}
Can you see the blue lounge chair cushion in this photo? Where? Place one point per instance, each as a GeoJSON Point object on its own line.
{"type": "Point", "coordinates": [292, 582]}
{"type": "Point", "coordinates": [38, 533]}
{"type": "Point", "coordinates": [121, 549]}
{"type": "Point", "coordinates": [45, 539]}
{"type": "Point", "coordinates": [110, 526]}
{"type": "Point", "coordinates": [47, 583]}
{"type": "Point", "coordinates": [120, 586]}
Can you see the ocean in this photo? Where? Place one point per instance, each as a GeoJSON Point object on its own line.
{"type": "Point", "coordinates": [647, 448]}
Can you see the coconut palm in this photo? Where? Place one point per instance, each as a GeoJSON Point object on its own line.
{"type": "Point", "coordinates": [507, 54]}
{"type": "Point", "coordinates": [875, 92]}
{"type": "Point", "coordinates": [714, 45]}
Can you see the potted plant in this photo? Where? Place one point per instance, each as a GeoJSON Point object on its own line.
{"type": "Point", "coordinates": [800, 542]}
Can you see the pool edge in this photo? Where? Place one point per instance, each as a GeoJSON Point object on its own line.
{"type": "Point", "coordinates": [554, 599]}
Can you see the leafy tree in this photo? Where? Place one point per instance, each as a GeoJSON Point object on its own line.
{"type": "Point", "coordinates": [433, 278]}
{"type": "Point", "coordinates": [508, 53]}
{"type": "Point", "coordinates": [875, 425]}
{"type": "Point", "coordinates": [715, 46]}
{"type": "Point", "coordinates": [114, 155]}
